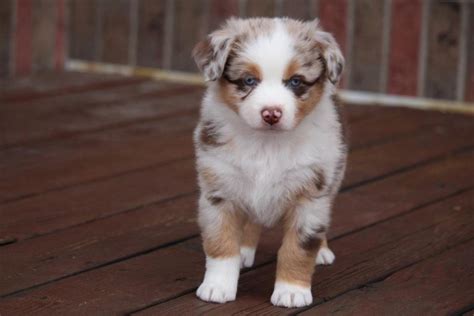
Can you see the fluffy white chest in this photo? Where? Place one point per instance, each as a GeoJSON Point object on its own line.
{"type": "Point", "coordinates": [263, 176]}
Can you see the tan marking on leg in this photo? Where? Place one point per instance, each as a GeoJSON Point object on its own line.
{"type": "Point", "coordinates": [296, 258]}
{"type": "Point", "coordinates": [251, 234]}
{"type": "Point", "coordinates": [226, 241]}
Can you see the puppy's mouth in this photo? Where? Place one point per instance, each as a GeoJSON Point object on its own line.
{"type": "Point", "coordinates": [271, 128]}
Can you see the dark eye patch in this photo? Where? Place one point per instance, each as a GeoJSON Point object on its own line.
{"type": "Point", "coordinates": [302, 88]}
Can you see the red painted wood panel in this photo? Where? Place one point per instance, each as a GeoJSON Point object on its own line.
{"type": "Point", "coordinates": [43, 37]}
{"type": "Point", "coordinates": [333, 18]}
{"type": "Point", "coordinates": [404, 47]}
{"type": "Point", "coordinates": [6, 9]}
{"type": "Point", "coordinates": [220, 10]}
{"type": "Point", "coordinates": [259, 8]}
{"type": "Point", "coordinates": [23, 31]}
{"type": "Point", "coordinates": [59, 49]}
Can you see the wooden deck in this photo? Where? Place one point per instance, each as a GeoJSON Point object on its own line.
{"type": "Point", "coordinates": [98, 198]}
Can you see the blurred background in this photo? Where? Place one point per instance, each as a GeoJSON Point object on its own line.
{"type": "Point", "coordinates": [401, 47]}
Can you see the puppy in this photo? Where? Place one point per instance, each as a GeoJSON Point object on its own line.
{"type": "Point", "coordinates": [270, 149]}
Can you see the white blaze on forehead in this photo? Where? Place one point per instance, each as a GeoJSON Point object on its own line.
{"type": "Point", "coordinates": [272, 52]}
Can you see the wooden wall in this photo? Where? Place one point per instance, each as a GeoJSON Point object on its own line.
{"type": "Point", "coordinates": [404, 47]}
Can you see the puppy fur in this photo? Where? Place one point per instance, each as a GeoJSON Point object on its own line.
{"type": "Point", "coordinates": [253, 173]}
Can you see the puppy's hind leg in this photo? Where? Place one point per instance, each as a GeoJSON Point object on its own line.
{"type": "Point", "coordinates": [221, 227]}
{"type": "Point", "coordinates": [250, 237]}
{"type": "Point", "coordinates": [325, 255]}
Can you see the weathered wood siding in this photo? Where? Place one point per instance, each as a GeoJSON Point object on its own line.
{"type": "Point", "coordinates": [403, 47]}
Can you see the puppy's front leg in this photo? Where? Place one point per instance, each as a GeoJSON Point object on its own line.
{"type": "Point", "coordinates": [304, 233]}
{"type": "Point", "coordinates": [251, 235]}
{"type": "Point", "coordinates": [221, 226]}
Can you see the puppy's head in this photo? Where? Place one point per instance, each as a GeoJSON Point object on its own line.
{"type": "Point", "coordinates": [271, 72]}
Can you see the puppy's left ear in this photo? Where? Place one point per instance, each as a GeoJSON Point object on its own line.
{"type": "Point", "coordinates": [332, 55]}
{"type": "Point", "coordinates": [211, 54]}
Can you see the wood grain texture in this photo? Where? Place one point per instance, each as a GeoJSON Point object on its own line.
{"type": "Point", "coordinates": [151, 19]}
{"type": "Point", "coordinates": [115, 26]}
{"type": "Point", "coordinates": [443, 50]}
{"type": "Point", "coordinates": [439, 285]}
{"type": "Point", "coordinates": [259, 8]}
{"type": "Point", "coordinates": [220, 10]}
{"type": "Point", "coordinates": [24, 228]}
{"type": "Point", "coordinates": [44, 22]}
{"type": "Point", "coordinates": [469, 88]}
{"type": "Point", "coordinates": [59, 121]}
{"type": "Point", "coordinates": [190, 25]}
{"type": "Point", "coordinates": [367, 45]}
{"type": "Point", "coordinates": [404, 47]}
{"type": "Point", "coordinates": [51, 84]}
{"type": "Point", "coordinates": [297, 9]}
{"type": "Point", "coordinates": [23, 37]}
{"type": "Point", "coordinates": [353, 249]}
{"type": "Point", "coordinates": [6, 37]}
{"type": "Point", "coordinates": [363, 257]}
{"type": "Point", "coordinates": [333, 18]}
{"type": "Point", "coordinates": [83, 29]}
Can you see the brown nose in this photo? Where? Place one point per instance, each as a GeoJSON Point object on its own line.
{"type": "Point", "coordinates": [271, 115]}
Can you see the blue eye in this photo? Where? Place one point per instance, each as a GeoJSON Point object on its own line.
{"type": "Point", "coordinates": [295, 82]}
{"type": "Point", "coordinates": [250, 81]}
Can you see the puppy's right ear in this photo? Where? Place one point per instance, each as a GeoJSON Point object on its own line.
{"type": "Point", "coordinates": [211, 54]}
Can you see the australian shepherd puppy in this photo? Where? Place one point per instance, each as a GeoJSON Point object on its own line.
{"type": "Point", "coordinates": [270, 149]}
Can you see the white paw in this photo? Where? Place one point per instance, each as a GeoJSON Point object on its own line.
{"type": "Point", "coordinates": [289, 295]}
{"type": "Point", "coordinates": [218, 293]}
{"type": "Point", "coordinates": [325, 256]}
{"type": "Point", "coordinates": [247, 257]}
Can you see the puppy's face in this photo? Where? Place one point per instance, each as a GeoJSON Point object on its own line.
{"type": "Point", "coordinates": [271, 72]}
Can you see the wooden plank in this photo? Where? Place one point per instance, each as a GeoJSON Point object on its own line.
{"type": "Point", "coordinates": [43, 168]}
{"type": "Point", "coordinates": [36, 169]}
{"type": "Point", "coordinates": [469, 88]}
{"type": "Point", "coordinates": [43, 34]}
{"type": "Point", "coordinates": [366, 59]}
{"type": "Point", "coordinates": [103, 241]}
{"type": "Point", "coordinates": [443, 50]}
{"type": "Point", "coordinates": [363, 257]}
{"type": "Point", "coordinates": [48, 84]}
{"type": "Point", "coordinates": [115, 26]}
{"type": "Point", "coordinates": [190, 25]}
{"type": "Point", "coordinates": [151, 25]}
{"type": "Point", "coordinates": [6, 38]}
{"type": "Point", "coordinates": [404, 47]}
{"type": "Point", "coordinates": [439, 285]}
{"type": "Point", "coordinates": [69, 115]}
{"type": "Point", "coordinates": [260, 8]}
{"type": "Point", "coordinates": [61, 209]}
{"type": "Point", "coordinates": [297, 9]}
{"type": "Point", "coordinates": [333, 18]}
{"type": "Point", "coordinates": [23, 37]}
{"type": "Point", "coordinates": [60, 36]}
{"type": "Point", "coordinates": [368, 213]}
{"type": "Point", "coordinates": [83, 29]}
{"type": "Point", "coordinates": [220, 10]}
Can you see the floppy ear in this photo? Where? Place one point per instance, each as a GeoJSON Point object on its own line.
{"type": "Point", "coordinates": [211, 54]}
{"type": "Point", "coordinates": [332, 55]}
